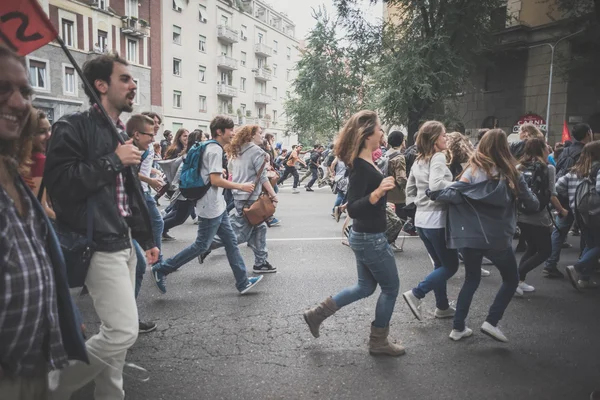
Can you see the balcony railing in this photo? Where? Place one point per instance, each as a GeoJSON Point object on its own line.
{"type": "Point", "coordinates": [133, 27]}
{"type": "Point", "coordinates": [226, 62]}
{"type": "Point", "coordinates": [263, 50]}
{"type": "Point", "coordinates": [227, 35]}
{"type": "Point", "coordinates": [262, 74]}
{"type": "Point", "coordinates": [226, 90]}
{"type": "Point", "coordinates": [262, 98]}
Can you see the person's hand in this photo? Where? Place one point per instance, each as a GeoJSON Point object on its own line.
{"type": "Point", "coordinates": [152, 255]}
{"type": "Point", "coordinates": [386, 185]}
{"type": "Point", "coordinates": [247, 187]}
{"type": "Point", "coordinates": [156, 184]}
{"type": "Point", "coordinates": [275, 201]}
{"type": "Point", "coordinates": [128, 153]}
{"type": "Point", "coordinates": [564, 212]}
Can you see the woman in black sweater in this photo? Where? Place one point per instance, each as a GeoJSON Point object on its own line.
{"type": "Point", "coordinates": [375, 261]}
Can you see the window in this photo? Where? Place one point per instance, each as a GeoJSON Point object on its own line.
{"type": "Point", "coordinates": [244, 32]}
{"type": "Point", "coordinates": [202, 13]}
{"type": "Point", "coordinates": [176, 34]}
{"type": "Point", "coordinates": [176, 67]}
{"type": "Point", "coordinates": [102, 40]}
{"type": "Point", "coordinates": [287, 75]}
{"type": "Point", "coordinates": [202, 73]}
{"type": "Point", "coordinates": [131, 9]}
{"type": "Point", "coordinates": [243, 59]}
{"type": "Point", "coordinates": [69, 80]}
{"type": "Point", "coordinates": [103, 4]}
{"type": "Point", "coordinates": [274, 93]}
{"type": "Point", "coordinates": [177, 5]}
{"type": "Point", "coordinates": [132, 50]}
{"type": "Point", "coordinates": [289, 53]}
{"type": "Point", "coordinates": [224, 49]}
{"type": "Point", "coordinates": [176, 99]}
{"type": "Point", "coordinates": [202, 103]}
{"type": "Point", "coordinates": [287, 94]}
{"type": "Point", "coordinates": [68, 32]}
{"type": "Point", "coordinates": [225, 78]}
{"type": "Point", "coordinates": [243, 84]}
{"type": "Point", "coordinates": [243, 109]}
{"type": "Point", "coordinates": [260, 37]}
{"type": "Point", "coordinates": [275, 45]}
{"type": "Point", "coordinates": [274, 115]}
{"type": "Point", "coordinates": [38, 74]}
{"type": "Point", "coordinates": [275, 70]}
{"type": "Point", "coordinates": [137, 95]}
{"type": "Point", "coordinates": [261, 62]}
{"type": "Point", "coordinates": [177, 126]}
{"type": "Point", "coordinates": [224, 20]}
{"type": "Point", "coordinates": [202, 44]}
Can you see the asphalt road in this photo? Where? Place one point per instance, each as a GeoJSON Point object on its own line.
{"type": "Point", "coordinates": [212, 343]}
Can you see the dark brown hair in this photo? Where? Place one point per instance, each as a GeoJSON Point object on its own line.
{"type": "Point", "coordinates": [100, 68]}
{"type": "Point", "coordinates": [221, 123]}
{"type": "Point", "coordinates": [429, 133]}
{"type": "Point", "coordinates": [352, 136]}
{"type": "Point", "coordinates": [534, 151]}
{"type": "Point", "coordinates": [176, 147]}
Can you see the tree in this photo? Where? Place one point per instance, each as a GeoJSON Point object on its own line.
{"type": "Point", "coordinates": [331, 83]}
{"type": "Point", "coordinates": [428, 56]}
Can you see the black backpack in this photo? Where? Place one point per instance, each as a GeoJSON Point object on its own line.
{"type": "Point", "coordinates": [537, 179]}
{"type": "Point", "coordinates": [587, 201]}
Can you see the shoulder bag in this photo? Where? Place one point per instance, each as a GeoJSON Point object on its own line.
{"type": "Point", "coordinates": [263, 208]}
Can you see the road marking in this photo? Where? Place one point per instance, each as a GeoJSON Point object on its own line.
{"type": "Point", "coordinates": [315, 239]}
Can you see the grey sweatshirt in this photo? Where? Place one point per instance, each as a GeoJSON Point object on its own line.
{"type": "Point", "coordinates": [244, 169]}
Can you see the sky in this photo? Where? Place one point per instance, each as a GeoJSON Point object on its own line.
{"type": "Point", "coordinates": [299, 11]}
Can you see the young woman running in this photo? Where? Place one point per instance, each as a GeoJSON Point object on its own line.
{"type": "Point", "coordinates": [429, 172]}
{"type": "Point", "coordinates": [481, 222]}
{"type": "Point", "coordinates": [374, 258]}
{"type": "Point", "coordinates": [588, 166]}
{"type": "Point", "coordinates": [536, 228]}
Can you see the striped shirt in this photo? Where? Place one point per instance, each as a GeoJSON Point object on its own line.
{"type": "Point", "coordinates": [29, 326]}
{"type": "Point", "coordinates": [567, 185]}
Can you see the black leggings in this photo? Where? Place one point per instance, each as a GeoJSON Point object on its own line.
{"type": "Point", "coordinates": [290, 171]}
{"type": "Point", "coordinates": [539, 247]}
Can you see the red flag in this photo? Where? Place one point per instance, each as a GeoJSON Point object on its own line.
{"type": "Point", "coordinates": [24, 26]}
{"type": "Point", "coordinates": [565, 134]}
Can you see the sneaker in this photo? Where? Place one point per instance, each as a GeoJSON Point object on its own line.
{"type": "Point", "coordinates": [587, 284]}
{"type": "Point", "coordinates": [447, 313]}
{"type": "Point", "coordinates": [485, 272]}
{"type": "Point", "coordinates": [160, 279]}
{"type": "Point", "coordinates": [197, 221]}
{"type": "Point", "coordinates": [337, 213]}
{"type": "Point", "coordinates": [566, 245]}
{"type": "Point", "coordinates": [574, 232]}
{"type": "Point", "coordinates": [413, 303]}
{"type": "Point", "coordinates": [163, 213]}
{"type": "Point", "coordinates": [295, 191]}
{"type": "Point", "coordinates": [457, 335]}
{"type": "Point", "coordinates": [345, 242]}
{"type": "Point", "coordinates": [265, 268]}
{"type": "Point", "coordinates": [573, 277]}
{"type": "Point", "coordinates": [251, 283]}
{"type": "Point", "coordinates": [409, 228]}
{"type": "Point", "coordinates": [493, 332]}
{"type": "Point", "coordinates": [203, 256]}
{"type": "Point", "coordinates": [146, 327]}
{"type": "Point", "coordinates": [167, 238]}
{"type": "Point", "coordinates": [486, 261]}
{"type": "Point", "coordinates": [395, 248]}
{"type": "Point", "coordinates": [273, 222]}
{"type": "Point", "coordinates": [309, 189]}
{"type": "Point", "coordinates": [525, 287]}
{"type": "Point", "coordinates": [552, 272]}
{"type": "Point", "coordinates": [519, 292]}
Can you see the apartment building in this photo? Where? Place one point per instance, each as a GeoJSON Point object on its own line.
{"type": "Point", "coordinates": [227, 57]}
{"type": "Point", "coordinates": [90, 28]}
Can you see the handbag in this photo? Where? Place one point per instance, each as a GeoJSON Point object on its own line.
{"type": "Point", "coordinates": [273, 177]}
{"type": "Point", "coordinates": [263, 208]}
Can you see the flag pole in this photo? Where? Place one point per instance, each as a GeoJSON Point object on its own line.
{"type": "Point", "coordinates": [90, 89]}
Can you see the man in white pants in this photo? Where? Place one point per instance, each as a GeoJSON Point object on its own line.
{"type": "Point", "coordinates": [86, 161]}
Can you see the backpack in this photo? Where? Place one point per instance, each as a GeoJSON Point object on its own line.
{"type": "Point", "coordinates": [384, 162]}
{"type": "Point", "coordinates": [587, 201]}
{"type": "Point", "coordinates": [537, 179]}
{"type": "Point", "coordinates": [191, 184]}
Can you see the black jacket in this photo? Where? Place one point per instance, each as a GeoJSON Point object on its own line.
{"type": "Point", "coordinates": [568, 158]}
{"type": "Point", "coordinates": [72, 175]}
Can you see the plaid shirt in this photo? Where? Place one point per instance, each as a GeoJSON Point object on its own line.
{"type": "Point", "coordinates": [29, 326]}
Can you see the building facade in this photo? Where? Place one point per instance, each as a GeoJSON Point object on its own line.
{"type": "Point", "coordinates": [226, 57]}
{"type": "Point", "coordinates": [90, 28]}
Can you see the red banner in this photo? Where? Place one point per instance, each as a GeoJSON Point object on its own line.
{"type": "Point", "coordinates": [565, 133]}
{"type": "Point", "coordinates": [24, 26]}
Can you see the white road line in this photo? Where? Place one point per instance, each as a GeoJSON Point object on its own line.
{"type": "Point", "coordinates": [314, 239]}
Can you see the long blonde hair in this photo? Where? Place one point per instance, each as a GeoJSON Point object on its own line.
{"type": "Point", "coordinates": [351, 138]}
{"type": "Point", "coordinates": [589, 155]}
{"type": "Point", "coordinates": [460, 148]}
{"type": "Point", "coordinates": [428, 134]}
{"type": "Point", "coordinates": [242, 136]}
{"type": "Point", "coordinates": [531, 131]}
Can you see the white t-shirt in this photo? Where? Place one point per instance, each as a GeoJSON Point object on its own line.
{"type": "Point", "coordinates": [212, 204]}
{"type": "Point", "coordinates": [146, 167]}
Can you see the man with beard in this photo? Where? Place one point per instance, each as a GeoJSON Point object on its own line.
{"type": "Point", "coordinates": [86, 161]}
{"type": "Point", "coordinates": [39, 328]}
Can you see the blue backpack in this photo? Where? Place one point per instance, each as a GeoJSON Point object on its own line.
{"type": "Point", "coordinates": [191, 184]}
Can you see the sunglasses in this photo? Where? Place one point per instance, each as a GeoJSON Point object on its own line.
{"type": "Point", "coordinates": [146, 133]}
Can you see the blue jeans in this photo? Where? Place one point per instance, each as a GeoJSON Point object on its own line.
{"type": "Point", "coordinates": [590, 254]}
{"type": "Point", "coordinates": [180, 212]}
{"type": "Point", "coordinates": [339, 199]}
{"type": "Point", "coordinates": [256, 236]}
{"type": "Point", "coordinates": [156, 220]}
{"type": "Point", "coordinates": [375, 264]}
{"type": "Point", "coordinates": [506, 263]}
{"type": "Point", "coordinates": [445, 263]}
{"type": "Point", "coordinates": [558, 238]}
{"type": "Point", "coordinates": [315, 176]}
{"type": "Point", "coordinates": [229, 200]}
{"type": "Point", "coordinates": [140, 267]}
{"type": "Point", "coordinates": [207, 230]}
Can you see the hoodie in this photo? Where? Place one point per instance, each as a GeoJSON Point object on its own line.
{"type": "Point", "coordinates": [244, 169]}
{"type": "Point", "coordinates": [482, 215]}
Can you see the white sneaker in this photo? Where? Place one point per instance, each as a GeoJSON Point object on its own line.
{"type": "Point", "coordinates": [519, 292]}
{"type": "Point", "coordinates": [457, 335]}
{"type": "Point", "coordinates": [587, 284]}
{"type": "Point", "coordinates": [413, 303]}
{"type": "Point", "coordinates": [448, 313]}
{"type": "Point", "coordinates": [295, 191]}
{"type": "Point", "coordinates": [485, 272]}
{"type": "Point", "coordinates": [573, 276]}
{"type": "Point", "coordinates": [525, 287]}
{"type": "Point", "coordinates": [493, 332]}
{"type": "Point", "coordinates": [395, 248]}
{"type": "Point", "coordinates": [163, 213]}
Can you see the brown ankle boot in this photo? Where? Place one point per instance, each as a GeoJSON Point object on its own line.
{"type": "Point", "coordinates": [379, 344]}
{"type": "Point", "coordinates": [314, 317]}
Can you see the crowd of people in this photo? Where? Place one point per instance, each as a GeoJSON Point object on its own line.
{"type": "Point", "coordinates": [92, 178]}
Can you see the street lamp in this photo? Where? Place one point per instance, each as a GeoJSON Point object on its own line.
{"type": "Point", "coordinates": [552, 46]}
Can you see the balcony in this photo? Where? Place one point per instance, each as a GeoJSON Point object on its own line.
{"type": "Point", "coordinates": [227, 35]}
{"type": "Point", "coordinates": [262, 74]}
{"type": "Point", "coordinates": [133, 27]}
{"type": "Point", "coordinates": [226, 90]}
{"type": "Point", "coordinates": [262, 49]}
{"type": "Point", "coordinates": [227, 63]}
{"type": "Point", "coordinates": [262, 98]}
